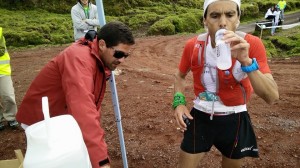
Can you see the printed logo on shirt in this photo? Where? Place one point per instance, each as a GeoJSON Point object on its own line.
{"type": "Point", "coordinates": [209, 69]}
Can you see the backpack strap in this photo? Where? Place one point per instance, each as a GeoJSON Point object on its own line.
{"type": "Point", "coordinates": [202, 37]}
{"type": "Point", "coordinates": [199, 41]}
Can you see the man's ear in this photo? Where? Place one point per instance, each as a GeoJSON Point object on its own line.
{"type": "Point", "coordinates": [102, 45]}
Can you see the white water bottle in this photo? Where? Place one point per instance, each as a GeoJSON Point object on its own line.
{"type": "Point", "coordinates": [223, 51]}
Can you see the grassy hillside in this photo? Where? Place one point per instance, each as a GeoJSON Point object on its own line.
{"type": "Point", "coordinates": [36, 27]}
{"type": "Point", "coordinates": [29, 22]}
{"type": "Point", "coordinates": [285, 43]}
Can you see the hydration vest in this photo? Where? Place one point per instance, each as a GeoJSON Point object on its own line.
{"type": "Point", "coordinates": [230, 91]}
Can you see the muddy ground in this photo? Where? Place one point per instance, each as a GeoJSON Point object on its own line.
{"type": "Point", "coordinates": [145, 90]}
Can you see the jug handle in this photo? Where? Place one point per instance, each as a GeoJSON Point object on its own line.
{"type": "Point", "coordinates": [45, 107]}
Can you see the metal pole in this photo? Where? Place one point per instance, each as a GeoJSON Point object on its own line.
{"type": "Point", "coordinates": [114, 93]}
{"type": "Point", "coordinates": [101, 15]}
{"type": "Point", "coordinates": [118, 118]}
{"type": "Point", "coordinates": [261, 30]}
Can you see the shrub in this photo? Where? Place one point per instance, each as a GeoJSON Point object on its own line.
{"type": "Point", "coordinates": [271, 50]}
{"type": "Point", "coordinates": [187, 22]}
{"type": "Point", "coordinates": [139, 20]}
{"type": "Point", "coordinates": [24, 38]}
{"type": "Point", "coordinates": [249, 11]}
{"type": "Point", "coordinates": [163, 27]}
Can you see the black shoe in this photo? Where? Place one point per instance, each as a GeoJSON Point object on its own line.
{"type": "Point", "coordinates": [13, 124]}
{"type": "Point", "coordinates": [1, 126]}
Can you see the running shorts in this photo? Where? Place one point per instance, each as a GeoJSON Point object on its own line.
{"type": "Point", "coordinates": [232, 135]}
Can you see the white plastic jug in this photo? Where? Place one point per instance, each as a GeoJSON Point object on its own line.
{"type": "Point", "coordinates": [55, 142]}
{"type": "Point", "coordinates": [224, 61]}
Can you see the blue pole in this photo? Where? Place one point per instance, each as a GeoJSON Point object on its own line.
{"type": "Point", "coordinates": [101, 15]}
{"type": "Point", "coordinates": [114, 93]}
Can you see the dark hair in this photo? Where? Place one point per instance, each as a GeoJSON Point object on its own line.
{"type": "Point", "coordinates": [237, 8]}
{"type": "Point", "coordinates": [114, 33]}
{"type": "Point", "coordinates": [80, 1]}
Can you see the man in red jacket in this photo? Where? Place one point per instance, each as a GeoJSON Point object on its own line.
{"type": "Point", "coordinates": [75, 81]}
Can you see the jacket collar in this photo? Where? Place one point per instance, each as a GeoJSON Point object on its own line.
{"type": "Point", "coordinates": [94, 46]}
{"type": "Point", "coordinates": [95, 52]}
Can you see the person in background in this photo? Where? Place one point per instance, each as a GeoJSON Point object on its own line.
{"type": "Point", "coordinates": [74, 82]}
{"type": "Point", "coordinates": [219, 115]}
{"type": "Point", "coordinates": [281, 5]}
{"type": "Point", "coordinates": [270, 13]}
{"type": "Point", "coordinates": [84, 17]}
{"type": "Point", "coordinates": [276, 20]}
{"type": "Point", "coordinates": [8, 106]}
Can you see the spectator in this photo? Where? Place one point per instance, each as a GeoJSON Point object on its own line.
{"type": "Point", "coordinates": [281, 5]}
{"type": "Point", "coordinates": [74, 82]}
{"type": "Point", "coordinates": [8, 107]}
{"type": "Point", "coordinates": [219, 116]}
{"type": "Point", "coordinates": [275, 21]}
{"type": "Point", "coordinates": [84, 17]}
{"type": "Point", "coordinates": [270, 13]}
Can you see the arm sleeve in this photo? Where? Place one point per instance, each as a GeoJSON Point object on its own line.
{"type": "Point", "coordinates": [77, 20]}
{"type": "Point", "coordinates": [94, 21]}
{"type": "Point", "coordinates": [78, 85]}
{"type": "Point", "coordinates": [185, 62]}
{"type": "Point", "coordinates": [268, 13]}
{"type": "Point", "coordinates": [257, 50]}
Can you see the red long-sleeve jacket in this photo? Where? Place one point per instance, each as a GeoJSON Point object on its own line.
{"type": "Point", "coordinates": [74, 82]}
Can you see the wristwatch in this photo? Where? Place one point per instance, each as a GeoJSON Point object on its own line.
{"type": "Point", "coordinates": [253, 67]}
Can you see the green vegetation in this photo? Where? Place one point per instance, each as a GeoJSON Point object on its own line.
{"type": "Point", "coordinates": [29, 23]}
{"type": "Point", "coordinates": [285, 43]}
{"type": "Point", "coordinates": [26, 28]}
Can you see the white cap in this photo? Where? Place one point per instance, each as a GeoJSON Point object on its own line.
{"type": "Point", "coordinates": [208, 2]}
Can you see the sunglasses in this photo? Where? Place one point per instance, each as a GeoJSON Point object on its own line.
{"type": "Point", "coordinates": [120, 54]}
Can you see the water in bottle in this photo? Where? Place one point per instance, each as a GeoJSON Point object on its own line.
{"type": "Point", "coordinates": [223, 51]}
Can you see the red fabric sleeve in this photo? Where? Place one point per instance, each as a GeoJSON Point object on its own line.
{"type": "Point", "coordinates": [185, 62]}
{"type": "Point", "coordinates": [78, 85]}
{"type": "Point", "coordinates": [257, 50]}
